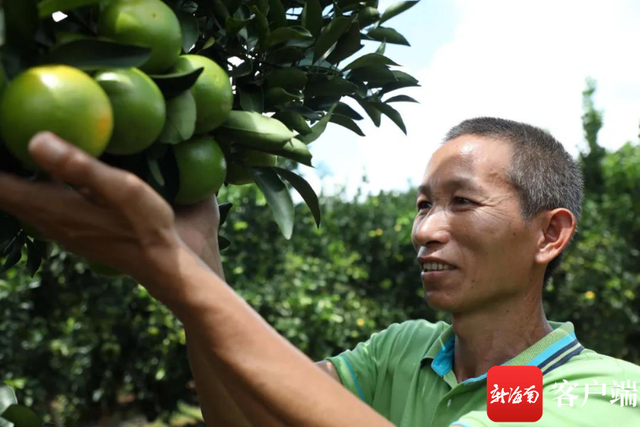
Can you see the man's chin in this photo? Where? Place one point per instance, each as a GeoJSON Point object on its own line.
{"type": "Point", "coordinates": [439, 300]}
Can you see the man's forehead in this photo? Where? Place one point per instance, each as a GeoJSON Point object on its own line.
{"type": "Point", "coordinates": [467, 161]}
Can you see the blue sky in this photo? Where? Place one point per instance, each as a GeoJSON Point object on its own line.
{"type": "Point", "coordinates": [521, 60]}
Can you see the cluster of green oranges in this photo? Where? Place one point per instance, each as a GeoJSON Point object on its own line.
{"type": "Point", "coordinates": [122, 111]}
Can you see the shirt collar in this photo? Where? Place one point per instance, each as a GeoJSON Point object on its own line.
{"type": "Point", "coordinates": [550, 352]}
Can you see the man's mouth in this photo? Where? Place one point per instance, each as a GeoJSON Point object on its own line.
{"type": "Point", "coordinates": [436, 266]}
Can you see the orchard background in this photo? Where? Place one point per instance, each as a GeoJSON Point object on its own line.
{"type": "Point", "coordinates": [78, 348]}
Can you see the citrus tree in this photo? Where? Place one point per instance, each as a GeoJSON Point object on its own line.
{"type": "Point", "coordinates": [189, 96]}
{"type": "Point", "coordinates": [192, 95]}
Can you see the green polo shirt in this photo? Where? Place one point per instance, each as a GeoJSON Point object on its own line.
{"type": "Point", "coordinates": [405, 373]}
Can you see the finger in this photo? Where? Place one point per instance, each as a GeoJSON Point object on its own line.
{"type": "Point", "coordinates": [14, 192]}
{"type": "Point", "coordinates": [26, 199]}
{"type": "Point", "coordinates": [70, 164]}
{"type": "Point", "coordinates": [120, 190]}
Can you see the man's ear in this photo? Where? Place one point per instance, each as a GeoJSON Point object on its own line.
{"type": "Point", "coordinates": [556, 229]}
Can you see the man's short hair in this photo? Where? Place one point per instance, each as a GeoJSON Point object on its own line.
{"type": "Point", "coordinates": [542, 172]}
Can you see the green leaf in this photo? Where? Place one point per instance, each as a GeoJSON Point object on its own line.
{"type": "Point", "coordinates": [382, 48]}
{"type": "Point", "coordinates": [255, 130]}
{"type": "Point", "coordinates": [401, 98]}
{"type": "Point", "coordinates": [251, 98]}
{"type": "Point", "coordinates": [277, 15]}
{"type": "Point", "coordinates": [223, 242]}
{"type": "Point", "coordinates": [5, 423]}
{"type": "Point", "coordinates": [154, 169]}
{"type": "Point", "coordinates": [278, 96]}
{"type": "Point", "coordinates": [318, 128]}
{"type": "Point", "coordinates": [347, 45]}
{"type": "Point", "coordinates": [233, 5]}
{"type": "Point", "coordinates": [367, 16]}
{"type": "Point", "coordinates": [14, 255]}
{"type": "Point", "coordinates": [389, 35]}
{"type": "Point", "coordinates": [346, 110]}
{"type": "Point", "coordinates": [336, 86]}
{"type": "Point", "coordinates": [369, 108]}
{"type": "Point", "coordinates": [21, 22]}
{"type": "Point", "coordinates": [47, 7]}
{"type": "Point", "coordinates": [180, 123]}
{"type": "Point", "coordinates": [305, 112]}
{"type": "Point", "coordinates": [330, 35]}
{"type": "Point", "coordinates": [295, 150]}
{"type": "Point", "coordinates": [402, 80]}
{"type": "Point", "coordinates": [21, 416]}
{"type": "Point", "coordinates": [369, 60]}
{"type": "Point", "coordinates": [244, 69]}
{"type": "Point", "coordinates": [323, 103]}
{"type": "Point", "coordinates": [285, 55]}
{"type": "Point", "coordinates": [293, 121]}
{"type": "Point", "coordinates": [94, 54]}
{"type": "Point", "coordinates": [312, 17]}
{"type": "Point", "coordinates": [287, 78]}
{"type": "Point", "coordinates": [174, 84]}
{"type": "Point", "coordinates": [190, 30]}
{"type": "Point", "coordinates": [396, 9]}
{"type": "Point", "coordinates": [261, 24]}
{"type": "Point", "coordinates": [277, 196]}
{"type": "Point", "coordinates": [233, 25]}
{"type": "Point", "coordinates": [34, 258]}
{"type": "Point", "coordinates": [393, 114]}
{"type": "Point", "coordinates": [220, 11]}
{"type": "Point", "coordinates": [168, 165]}
{"type": "Point", "coordinates": [9, 227]}
{"type": "Point", "coordinates": [210, 42]}
{"type": "Point", "coordinates": [346, 122]}
{"type": "Point", "coordinates": [263, 6]}
{"type": "Point", "coordinates": [7, 397]}
{"type": "Point", "coordinates": [374, 75]}
{"type": "Point", "coordinates": [44, 248]}
{"type": "Point", "coordinates": [305, 190]}
{"type": "Point", "coordinates": [224, 209]}
{"type": "Point", "coordinates": [284, 34]}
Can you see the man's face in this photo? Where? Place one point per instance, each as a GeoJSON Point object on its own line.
{"type": "Point", "coordinates": [469, 219]}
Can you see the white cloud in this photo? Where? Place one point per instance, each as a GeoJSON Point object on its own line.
{"type": "Point", "coordinates": [525, 61]}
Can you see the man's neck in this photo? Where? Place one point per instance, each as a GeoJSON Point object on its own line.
{"type": "Point", "coordinates": [485, 339]}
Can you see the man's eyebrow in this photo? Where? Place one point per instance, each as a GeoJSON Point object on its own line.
{"type": "Point", "coordinates": [452, 184]}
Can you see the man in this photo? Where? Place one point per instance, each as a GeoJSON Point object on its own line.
{"type": "Point", "coordinates": [498, 204]}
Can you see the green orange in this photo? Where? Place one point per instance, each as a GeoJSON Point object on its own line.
{"type": "Point", "coordinates": [201, 168]}
{"type": "Point", "coordinates": [212, 91]}
{"type": "Point", "coordinates": [139, 109]}
{"type": "Point", "coordinates": [59, 99]}
{"type": "Point", "coordinates": [237, 174]}
{"type": "Point", "coordinates": [148, 23]}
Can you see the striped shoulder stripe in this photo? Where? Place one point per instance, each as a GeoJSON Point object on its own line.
{"type": "Point", "coordinates": [355, 379]}
{"type": "Point", "coordinates": [576, 351]}
{"type": "Point", "coordinates": [561, 356]}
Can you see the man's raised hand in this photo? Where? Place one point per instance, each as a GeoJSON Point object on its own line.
{"type": "Point", "coordinates": [104, 213]}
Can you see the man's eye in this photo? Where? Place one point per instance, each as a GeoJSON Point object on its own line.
{"type": "Point", "coordinates": [462, 201]}
{"type": "Point", "coordinates": [424, 205]}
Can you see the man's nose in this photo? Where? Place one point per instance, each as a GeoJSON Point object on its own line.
{"type": "Point", "coordinates": [432, 229]}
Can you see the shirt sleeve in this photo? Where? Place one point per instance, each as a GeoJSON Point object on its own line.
{"type": "Point", "coordinates": [359, 368]}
